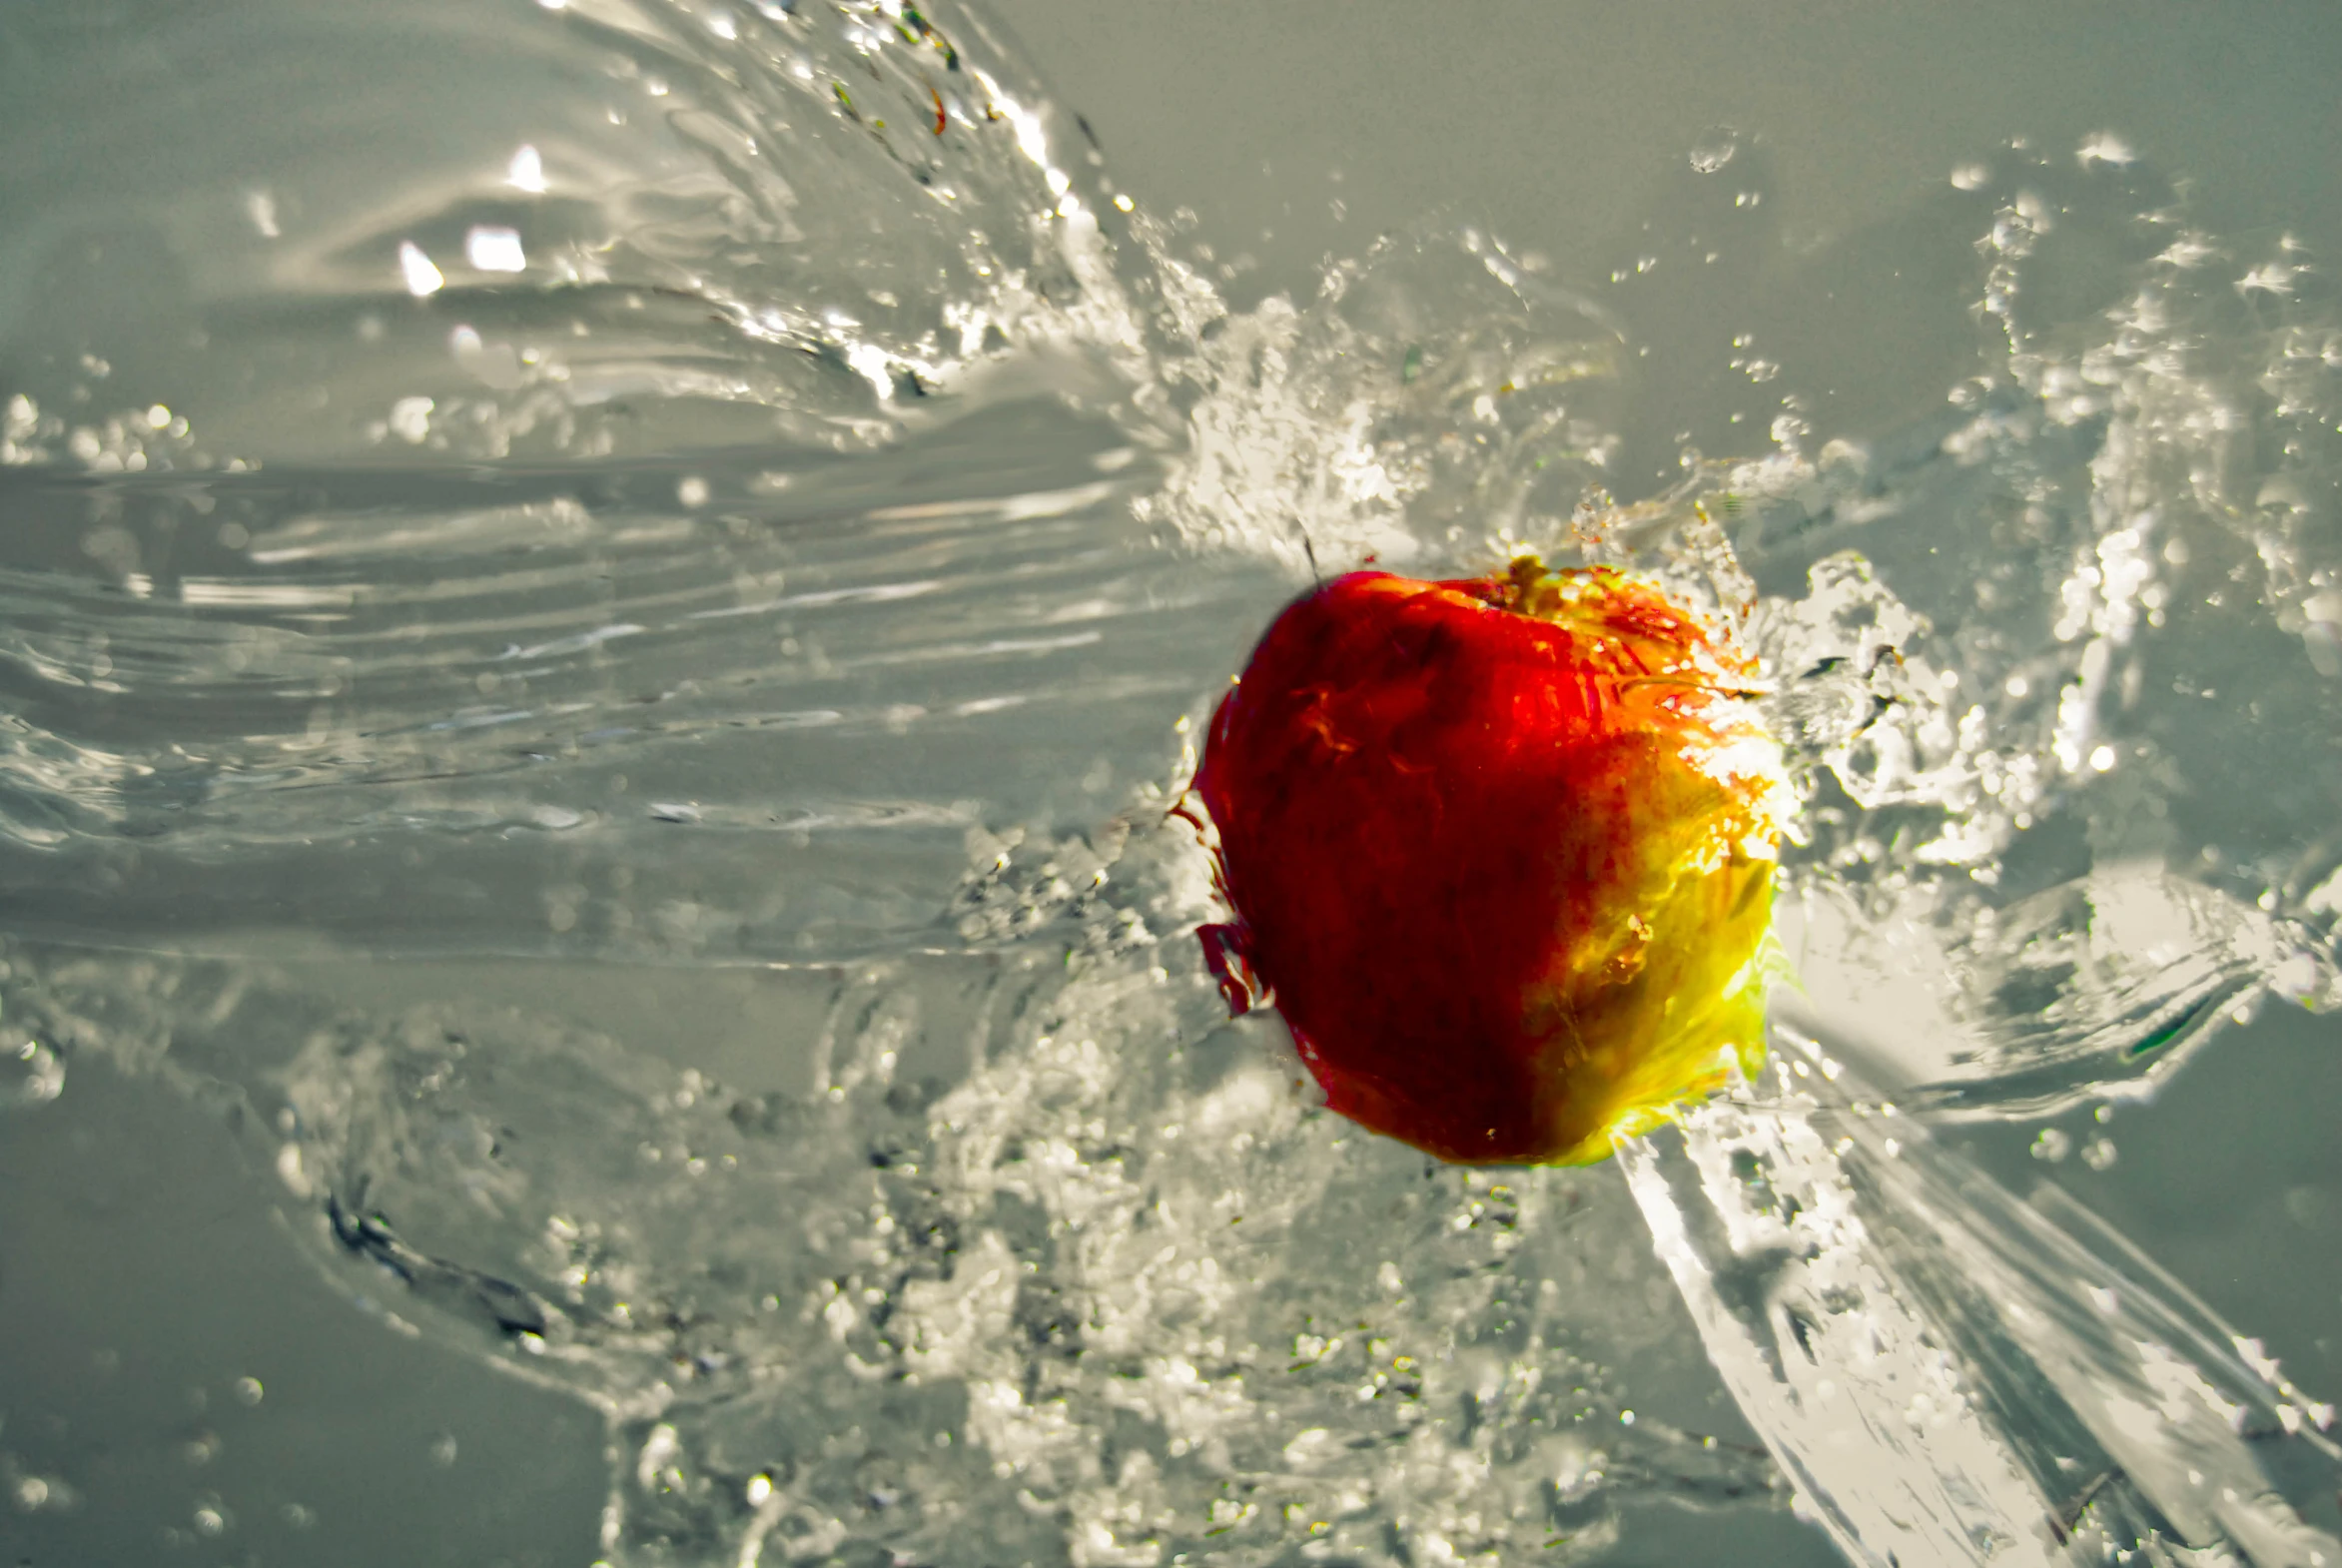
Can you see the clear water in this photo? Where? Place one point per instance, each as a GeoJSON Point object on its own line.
{"type": "Point", "coordinates": [604, 686]}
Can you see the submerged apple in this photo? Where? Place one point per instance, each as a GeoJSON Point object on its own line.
{"type": "Point", "coordinates": [1502, 850]}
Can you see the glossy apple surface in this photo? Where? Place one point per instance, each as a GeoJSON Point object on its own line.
{"type": "Point", "coordinates": [1502, 851]}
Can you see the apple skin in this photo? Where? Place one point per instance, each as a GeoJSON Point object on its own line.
{"type": "Point", "coordinates": [1502, 850]}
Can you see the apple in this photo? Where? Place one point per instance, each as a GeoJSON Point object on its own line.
{"type": "Point", "coordinates": [1502, 850]}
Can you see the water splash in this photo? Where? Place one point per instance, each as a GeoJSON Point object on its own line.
{"type": "Point", "coordinates": [840, 425]}
{"type": "Point", "coordinates": [1953, 1375]}
{"type": "Point", "coordinates": [1076, 1292]}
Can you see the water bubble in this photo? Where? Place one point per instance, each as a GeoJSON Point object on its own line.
{"type": "Point", "coordinates": [1714, 152]}
{"type": "Point", "coordinates": [2051, 1144]}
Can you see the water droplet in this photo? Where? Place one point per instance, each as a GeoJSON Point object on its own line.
{"type": "Point", "coordinates": [410, 419]}
{"type": "Point", "coordinates": [492, 249]}
{"type": "Point", "coordinates": [2104, 147]}
{"type": "Point", "coordinates": [526, 171]}
{"type": "Point", "coordinates": [34, 1074]}
{"type": "Point", "coordinates": [1714, 152]}
{"type": "Point", "coordinates": [423, 278]}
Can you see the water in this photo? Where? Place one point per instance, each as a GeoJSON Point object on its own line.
{"type": "Point", "coordinates": [601, 680]}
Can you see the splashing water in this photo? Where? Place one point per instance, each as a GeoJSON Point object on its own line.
{"type": "Point", "coordinates": [718, 592]}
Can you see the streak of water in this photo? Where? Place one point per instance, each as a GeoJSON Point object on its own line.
{"type": "Point", "coordinates": [1953, 1375]}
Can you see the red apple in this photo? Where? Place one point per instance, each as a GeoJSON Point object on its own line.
{"type": "Point", "coordinates": [1502, 851]}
